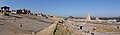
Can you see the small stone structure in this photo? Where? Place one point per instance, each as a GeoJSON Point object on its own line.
{"type": "Point", "coordinates": [5, 11]}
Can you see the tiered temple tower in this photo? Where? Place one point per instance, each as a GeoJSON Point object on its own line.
{"type": "Point", "coordinates": [88, 17]}
{"type": "Point", "coordinates": [97, 18]}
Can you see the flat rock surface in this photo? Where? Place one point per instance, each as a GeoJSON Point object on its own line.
{"type": "Point", "coordinates": [13, 25]}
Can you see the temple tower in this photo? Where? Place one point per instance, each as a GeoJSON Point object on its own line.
{"type": "Point", "coordinates": [88, 17]}
{"type": "Point", "coordinates": [97, 18]}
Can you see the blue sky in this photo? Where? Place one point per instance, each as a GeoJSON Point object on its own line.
{"type": "Point", "coordinates": [67, 7]}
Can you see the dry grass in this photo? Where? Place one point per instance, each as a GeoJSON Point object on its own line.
{"type": "Point", "coordinates": [107, 29]}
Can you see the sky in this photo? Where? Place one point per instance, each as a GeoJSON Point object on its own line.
{"type": "Point", "coordinates": [77, 8]}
